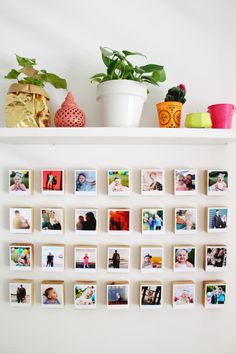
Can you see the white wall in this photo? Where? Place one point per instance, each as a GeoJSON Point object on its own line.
{"type": "Point", "coordinates": [195, 43]}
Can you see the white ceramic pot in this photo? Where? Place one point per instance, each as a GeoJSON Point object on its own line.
{"type": "Point", "coordinates": [121, 102]}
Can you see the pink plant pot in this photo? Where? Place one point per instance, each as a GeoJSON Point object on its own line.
{"type": "Point", "coordinates": [69, 115]}
{"type": "Point", "coordinates": [221, 115]}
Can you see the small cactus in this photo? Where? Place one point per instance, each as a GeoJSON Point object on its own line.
{"type": "Point", "coordinates": [176, 93]}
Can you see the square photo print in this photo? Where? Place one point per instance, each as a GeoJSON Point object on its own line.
{"type": "Point", "coordinates": [20, 182]}
{"type": "Point", "coordinates": [21, 293]}
{"type": "Point", "coordinates": [85, 294]}
{"type": "Point", "coordinates": [153, 221]}
{"type": "Point", "coordinates": [214, 295]}
{"type": "Point", "coordinates": [52, 182]}
{"type": "Point", "coordinates": [218, 219]}
{"type": "Point", "coordinates": [152, 181]}
{"type": "Point", "coordinates": [151, 294]}
{"type": "Point", "coordinates": [21, 220]}
{"type": "Point", "coordinates": [119, 221]}
{"type": "Point", "coordinates": [185, 220]}
{"type": "Point", "coordinates": [217, 182]}
{"type": "Point", "coordinates": [118, 182]}
{"type": "Point", "coordinates": [151, 259]}
{"type": "Point", "coordinates": [52, 294]}
{"type": "Point", "coordinates": [21, 256]}
{"type": "Point", "coordinates": [86, 221]}
{"type": "Point", "coordinates": [118, 295]}
{"type": "Point", "coordinates": [183, 294]}
{"type": "Point", "coordinates": [85, 259]}
{"type": "Point", "coordinates": [52, 221]}
{"type": "Point", "coordinates": [118, 258]}
{"type": "Point", "coordinates": [53, 258]}
{"type": "Point", "coordinates": [185, 182]}
{"type": "Point", "coordinates": [85, 182]}
{"type": "Point", "coordinates": [215, 258]}
{"type": "Point", "coordinates": [184, 258]}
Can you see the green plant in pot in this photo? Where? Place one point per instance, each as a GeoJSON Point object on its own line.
{"type": "Point", "coordinates": [122, 88]}
{"type": "Point", "coordinates": [27, 101]}
{"type": "Point", "coordinates": [169, 112]}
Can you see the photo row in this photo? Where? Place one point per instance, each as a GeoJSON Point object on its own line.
{"type": "Point", "coordinates": [21, 257]}
{"type": "Point", "coordinates": [153, 222]}
{"type": "Point", "coordinates": [52, 294]}
{"type": "Point", "coordinates": [119, 182]}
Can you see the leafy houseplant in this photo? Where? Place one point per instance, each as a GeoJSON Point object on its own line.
{"type": "Point", "coordinates": [123, 86]}
{"type": "Point", "coordinates": [169, 111]}
{"type": "Point", "coordinates": [27, 101]}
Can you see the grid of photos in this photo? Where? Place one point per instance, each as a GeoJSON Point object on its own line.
{"type": "Point", "coordinates": [21, 257]}
{"type": "Point", "coordinates": [119, 221]}
{"type": "Point", "coordinates": [214, 295]}
{"type": "Point", "coordinates": [185, 220]}
{"type": "Point", "coordinates": [183, 294]}
{"type": "Point", "coordinates": [85, 259]}
{"type": "Point", "coordinates": [152, 182]}
{"type": "Point", "coordinates": [118, 295]}
{"type": "Point", "coordinates": [184, 258]}
{"type": "Point", "coordinates": [185, 182]}
{"type": "Point", "coordinates": [52, 294]}
{"type": "Point", "coordinates": [21, 293]}
{"type": "Point", "coordinates": [151, 294]}
{"type": "Point", "coordinates": [85, 295]}
{"type": "Point", "coordinates": [152, 259]}
{"type": "Point", "coordinates": [118, 182]}
{"type": "Point", "coordinates": [215, 258]}
{"type": "Point", "coordinates": [20, 182]}
{"type": "Point", "coordinates": [86, 221]}
{"type": "Point", "coordinates": [21, 220]}
{"type": "Point", "coordinates": [217, 182]}
{"type": "Point", "coordinates": [53, 258]}
{"type": "Point", "coordinates": [153, 221]}
{"type": "Point", "coordinates": [217, 219]}
{"type": "Point", "coordinates": [52, 221]}
{"type": "Point", "coordinates": [52, 182]}
{"type": "Point", "coordinates": [85, 182]}
{"type": "Point", "coordinates": [118, 258]}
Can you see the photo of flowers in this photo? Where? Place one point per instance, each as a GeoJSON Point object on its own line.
{"type": "Point", "coordinates": [152, 259]}
{"type": "Point", "coordinates": [52, 221]}
{"type": "Point", "coordinates": [217, 182]}
{"type": "Point", "coordinates": [85, 295]}
{"type": "Point", "coordinates": [53, 258]}
{"type": "Point", "coordinates": [85, 182]}
{"type": "Point", "coordinates": [151, 294]}
{"type": "Point", "coordinates": [52, 294]}
{"type": "Point", "coordinates": [185, 182]}
{"type": "Point", "coordinates": [218, 219]}
{"type": "Point", "coordinates": [21, 220]}
{"type": "Point", "coordinates": [152, 182]}
{"type": "Point", "coordinates": [183, 294]}
{"type": "Point", "coordinates": [20, 182]}
{"type": "Point", "coordinates": [215, 258]}
{"type": "Point", "coordinates": [21, 293]}
{"type": "Point", "coordinates": [118, 182]}
{"type": "Point", "coordinates": [118, 295]}
{"type": "Point", "coordinates": [153, 221]}
{"type": "Point", "coordinates": [52, 182]}
{"type": "Point", "coordinates": [85, 259]}
{"type": "Point", "coordinates": [21, 256]}
{"type": "Point", "coordinates": [184, 258]}
{"type": "Point", "coordinates": [118, 259]}
{"type": "Point", "coordinates": [86, 221]}
{"type": "Point", "coordinates": [185, 220]}
{"type": "Point", "coordinates": [214, 294]}
{"type": "Point", "coordinates": [119, 221]}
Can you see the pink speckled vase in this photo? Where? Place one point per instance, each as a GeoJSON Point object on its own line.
{"type": "Point", "coordinates": [69, 115]}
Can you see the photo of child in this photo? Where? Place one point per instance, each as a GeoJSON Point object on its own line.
{"type": "Point", "coordinates": [118, 182]}
{"type": "Point", "coordinates": [183, 295]}
{"type": "Point", "coordinates": [185, 259]}
{"type": "Point", "coordinates": [20, 182]}
{"type": "Point", "coordinates": [215, 294]}
{"type": "Point", "coordinates": [151, 259]}
{"type": "Point", "coordinates": [118, 296]}
{"type": "Point", "coordinates": [52, 221]}
{"type": "Point", "coordinates": [153, 221]}
{"type": "Point", "coordinates": [185, 220]}
{"type": "Point", "coordinates": [185, 182]}
{"type": "Point", "coordinates": [217, 219]}
{"type": "Point", "coordinates": [85, 221]}
{"type": "Point", "coordinates": [85, 182]}
{"type": "Point", "coordinates": [118, 259]}
{"type": "Point", "coordinates": [85, 259]}
{"type": "Point", "coordinates": [119, 221]}
{"type": "Point", "coordinates": [52, 182]}
{"type": "Point", "coordinates": [217, 182]}
{"type": "Point", "coordinates": [52, 294]}
{"type": "Point", "coordinates": [20, 293]}
{"type": "Point", "coordinates": [53, 258]}
{"type": "Point", "coordinates": [85, 296]}
{"type": "Point", "coordinates": [21, 257]}
{"type": "Point", "coordinates": [216, 258]}
{"type": "Point", "coordinates": [150, 296]}
{"type": "Point", "coordinates": [21, 220]}
{"type": "Point", "coordinates": [152, 182]}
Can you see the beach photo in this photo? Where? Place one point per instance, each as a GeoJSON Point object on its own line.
{"type": "Point", "coordinates": [118, 259]}
{"type": "Point", "coordinates": [21, 293]}
{"type": "Point", "coordinates": [53, 258]}
{"type": "Point", "coordinates": [85, 259]}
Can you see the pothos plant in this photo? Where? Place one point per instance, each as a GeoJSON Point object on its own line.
{"type": "Point", "coordinates": [119, 67]}
{"type": "Point", "coordinates": [27, 74]}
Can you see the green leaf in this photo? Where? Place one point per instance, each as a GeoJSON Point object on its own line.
{"type": "Point", "coordinates": [106, 51]}
{"type": "Point", "coordinates": [118, 54]}
{"type": "Point", "coordinates": [13, 74]}
{"type": "Point", "coordinates": [25, 61]}
{"type": "Point", "coordinates": [159, 76]}
{"type": "Point", "coordinates": [138, 70]}
{"type": "Point", "coordinates": [111, 67]}
{"type": "Point", "coordinates": [149, 68]}
{"type": "Point", "coordinates": [127, 52]}
{"type": "Point", "coordinates": [150, 80]}
{"type": "Point", "coordinates": [53, 79]}
{"type": "Point", "coordinates": [32, 81]}
{"type": "Point", "coordinates": [97, 76]}
{"type": "Point", "coordinates": [106, 60]}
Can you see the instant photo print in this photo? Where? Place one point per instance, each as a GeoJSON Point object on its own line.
{"type": "Point", "coordinates": [185, 220]}
{"type": "Point", "coordinates": [183, 294]}
{"type": "Point", "coordinates": [86, 221]}
{"type": "Point", "coordinates": [21, 292]}
{"type": "Point", "coordinates": [153, 221]}
{"type": "Point", "coordinates": [118, 182]}
{"type": "Point", "coordinates": [184, 258]}
{"type": "Point", "coordinates": [214, 294]}
{"type": "Point", "coordinates": [151, 295]}
{"type": "Point", "coordinates": [217, 182]}
{"type": "Point", "coordinates": [52, 294]}
{"type": "Point", "coordinates": [85, 295]}
{"type": "Point", "coordinates": [185, 182]}
{"type": "Point", "coordinates": [21, 220]}
{"type": "Point", "coordinates": [215, 258]}
{"type": "Point", "coordinates": [151, 259]}
{"type": "Point", "coordinates": [119, 221]}
{"type": "Point", "coordinates": [52, 182]}
{"type": "Point", "coordinates": [118, 295]}
{"type": "Point", "coordinates": [217, 219]}
{"type": "Point", "coordinates": [85, 182]}
{"type": "Point", "coordinates": [21, 256]}
{"type": "Point", "coordinates": [85, 258]}
{"type": "Point", "coordinates": [53, 258]}
{"type": "Point", "coordinates": [52, 221]}
{"type": "Point", "coordinates": [118, 259]}
{"type": "Point", "coordinates": [20, 182]}
{"type": "Point", "coordinates": [152, 181]}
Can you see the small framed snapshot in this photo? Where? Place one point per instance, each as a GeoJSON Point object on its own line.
{"type": "Point", "coordinates": [217, 219]}
{"type": "Point", "coordinates": [214, 294]}
{"type": "Point", "coordinates": [215, 258]}
{"type": "Point", "coordinates": [118, 295]}
{"type": "Point", "coordinates": [118, 182]}
{"type": "Point", "coordinates": [153, 221]}
{"type": "Point", "coordinates": [52, 220]}
{"type": "Point", "coordinates": [185, 182]}
{"type": "Point", "coordinates": [85, 259]}
{"type": "Point", "coordinates": [151, 259]}
{"type": "Point", "coordinates": [86, 221]}
{"type": "Point", "coordinates": [21, 293]}
{"type": "Point", "coordinates": [52, 182]}
{"type": "Point", "coordinates": [183, 294]}
{"type": "Point", "coordinates": [85, 182]}
{"type": "Point", "coordinates": [52, 293]}
{"type": "Point", "coordinates": [85, 295]}
{"type": "Point", "coordinates": [20, 182]}
{"type": "Point", "coordinates": [151, 295]}
{"type": "Point", "coordinates": [21, 256]}
{"type": "Point", "coordinates": [119, 221]}
{"type": "Point", "coordinates": [217, 182]}
{"type": "Point", "coordinates": [185, 220]}
{"type": "Point", "coordinates": [118, 259]}
{"type": "Point", "coordinates": [21, 220]}
{"type": "Point", "coordinates": [152, 181]}
{"type": "Point", "coordinates": [53, 258]}
{"type": "Point", "coordinates": [184, 258]}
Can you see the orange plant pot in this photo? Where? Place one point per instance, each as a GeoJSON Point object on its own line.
{"type": "Point", "coordinates": [169, 114]}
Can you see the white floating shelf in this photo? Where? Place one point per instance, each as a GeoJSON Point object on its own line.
{"type": "Point", "coordinates": [94, 135]}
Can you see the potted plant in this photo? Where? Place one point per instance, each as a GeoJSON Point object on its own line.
{"type": "Point", "coordinates": [169, 112]}
{"type": "Point", "coordinates": [27, 101]}
{"type": "Point", "coordinates": [122, 89]}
